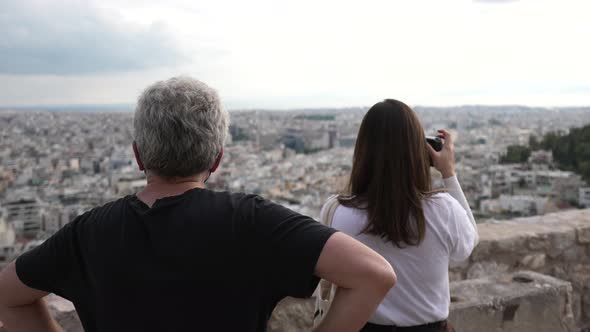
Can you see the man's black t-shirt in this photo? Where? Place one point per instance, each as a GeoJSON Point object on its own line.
{"type": "Point", "coordinates": [200, 261]}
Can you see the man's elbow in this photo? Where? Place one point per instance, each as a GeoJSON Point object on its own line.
{"type": "Point", "coordinates": [3, 290]}
{"type": "Point", "coordinates": [383, 277]}
{"type": "Point", "coordinates": [3, 308]}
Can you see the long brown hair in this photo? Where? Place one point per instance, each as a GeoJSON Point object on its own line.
{"type": "Point", "coordinates": [391, 173]}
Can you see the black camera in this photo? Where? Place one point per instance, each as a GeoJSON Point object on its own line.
{"type": "Point", "coordinates": [435, 142]}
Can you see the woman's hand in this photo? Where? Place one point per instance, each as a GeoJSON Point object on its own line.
{"type": "Point", "coordinates": [444, 160]}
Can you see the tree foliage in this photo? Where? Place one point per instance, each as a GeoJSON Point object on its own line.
{"type": "Point", "coordinates": [571, 151]}
{"type": "Point", "coordinates": [516, 154]}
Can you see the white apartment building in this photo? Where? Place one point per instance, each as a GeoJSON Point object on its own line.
{"type": "Point", "coordinates": [25, 216]}
{"type": "Point", "coordinates": [7, 238]}
{"type": "Point", "coordinates": [584, 197]}
{"type": "Point", "coordinates": [523, 204]}
{"type": "Point", "coordinates": [505, 179]}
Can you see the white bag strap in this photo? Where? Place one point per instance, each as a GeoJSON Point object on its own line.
{"type": "Point", "coordinates": [329, 210]}
{"type": "Point", "coordinates": [322, 305]}
{"type": "Point", "coordinates": [325, 291]}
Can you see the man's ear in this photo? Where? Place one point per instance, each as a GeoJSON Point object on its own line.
{"type": "Point", "coordinates": [217, 161]}
{"type": "Point", "coordinates": [137, 158]}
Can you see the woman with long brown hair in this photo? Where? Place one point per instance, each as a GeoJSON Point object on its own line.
{"type": "Point", "coordinates": [390, 206]}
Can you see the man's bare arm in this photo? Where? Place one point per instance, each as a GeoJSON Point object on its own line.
{"type": "Point", "coordinates": [22, 308]}
{"type": "Point", "coordinates": [363, 278]}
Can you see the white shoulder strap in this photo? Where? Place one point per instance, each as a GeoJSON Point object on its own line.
{"type": "Point", "coordinates": [328, 211]}
{"type": "Point", "coordinates": [325, 291]}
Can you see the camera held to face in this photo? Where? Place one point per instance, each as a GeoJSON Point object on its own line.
{"type": "Point", "coordinates": [435, 142]}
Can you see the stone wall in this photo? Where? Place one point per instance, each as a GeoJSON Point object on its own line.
{"type": "Point", "coordinates": [516, 302]}
{"type": "Point", "coordinates": [555, 244]}
{"type": "Point", "coordinates": [524, 301]}
{"type": "Point", "coordinates": [485, 296]}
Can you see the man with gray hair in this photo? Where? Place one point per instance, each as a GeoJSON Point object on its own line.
{"type": "Point", "coordinates": [179, 257]}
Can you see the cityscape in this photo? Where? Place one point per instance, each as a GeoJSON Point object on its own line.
{"type": "Point", "coordinates": [54, 165]}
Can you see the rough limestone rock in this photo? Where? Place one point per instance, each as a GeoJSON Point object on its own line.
{"type": "Point", "coordinates": [292, 315]}
{"type": "Point", "coordinates": [534, 262]}
{"type": "Point", "coordinates": [485, 269]}
{"type": "Point", "coordinates": [64, 313]}
{"type": "Point", "coordinates": [556, 244]}
{"type": "Point", "coordinates": [573, 254]}
{"type": "Point", "coordinates": [560, 241]}
{"type": "Point", "coordinates": [482, 251]}
{"type": "Point", "coordinates": [539, 242]}
{"type": "Point", "coordinates": [583, 234]}
{"type": "Point", "coordinates": [520, 302]}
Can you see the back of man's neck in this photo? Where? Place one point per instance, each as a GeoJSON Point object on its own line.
{"type": "Point", "coordinates": [158, 187]}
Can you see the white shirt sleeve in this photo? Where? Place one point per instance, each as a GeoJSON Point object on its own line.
{"type": "Point", "coordinates": [462, 232]}
{"type": "Point", "coordinates": [463, 229]}
{"type": "Point", "coordinates": [454, 189]}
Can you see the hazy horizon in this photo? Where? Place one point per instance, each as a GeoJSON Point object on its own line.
{"type": "Point", "coordinates": [130, 107]}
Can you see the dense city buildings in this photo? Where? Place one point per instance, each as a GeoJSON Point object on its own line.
{"type": "Point", "coordinates": [56, 165]}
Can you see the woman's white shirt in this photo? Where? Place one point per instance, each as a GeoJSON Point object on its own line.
{"type": "Point", "coordinates": [421, 294]}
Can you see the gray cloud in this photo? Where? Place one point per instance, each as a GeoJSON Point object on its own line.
{"type": "Point", "coordinates": [72, 38]}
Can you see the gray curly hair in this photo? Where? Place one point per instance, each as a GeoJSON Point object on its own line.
{"type": "Point", "coordinates": [180, 127]}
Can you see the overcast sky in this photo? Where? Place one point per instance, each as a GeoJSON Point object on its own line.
{"type": "Point", "coordinates": [291, 54]}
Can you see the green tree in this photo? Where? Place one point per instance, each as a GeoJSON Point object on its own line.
{"type": "Point", "coordinates": [516, 154]}
{"type": "Point", "coordinates": [571, 151]}
{"type": "Point", "coordinates": [533, 143]}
